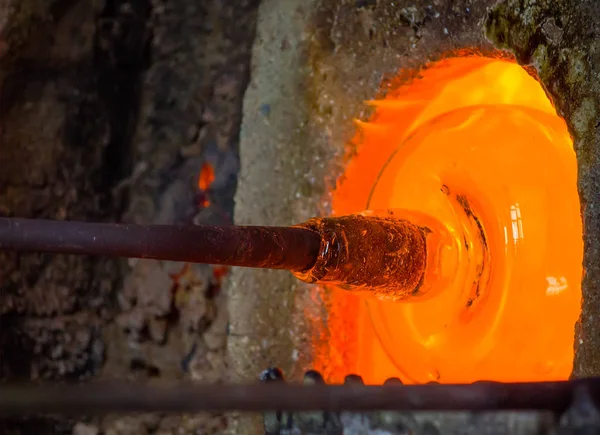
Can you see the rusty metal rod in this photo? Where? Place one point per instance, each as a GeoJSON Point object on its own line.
{"type": "Point", "coordinates": [290, 248]}
{"type": "Point", "coordinates": [123, 397]}
{"type": "Point", "coordinates": [383, 255]}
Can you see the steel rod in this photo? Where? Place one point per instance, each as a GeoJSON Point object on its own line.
{"type": "Point", "coordinates": [123, 397]}
{"type": "Point", "coordinates": [290, 248]}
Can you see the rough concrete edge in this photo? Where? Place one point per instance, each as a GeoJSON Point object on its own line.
{"type": "Point", "coordinates": [274, 119]}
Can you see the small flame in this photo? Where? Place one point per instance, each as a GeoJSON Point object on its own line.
{"type": "Point", "coordinates": [219, 272]}
{"type": "Point", "coordinates": [207, 176]}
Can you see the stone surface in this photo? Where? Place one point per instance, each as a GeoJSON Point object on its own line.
{"type": "Point", "coordinates": [108, 110]}
{"type": "Point", "coordinates": [56, 135]}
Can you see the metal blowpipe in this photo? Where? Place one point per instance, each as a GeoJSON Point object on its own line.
{"type": "Point", "coordinates": [357, 252]}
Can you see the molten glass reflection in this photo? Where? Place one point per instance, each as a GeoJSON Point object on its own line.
{"type": "Point", "coordinates": [475, 146]}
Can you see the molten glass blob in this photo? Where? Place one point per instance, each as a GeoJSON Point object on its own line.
{"type": "Point", "coordinates": [474, 150]}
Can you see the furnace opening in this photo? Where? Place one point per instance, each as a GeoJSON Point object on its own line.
{"type": "Point", "coordinates": [474, 149]}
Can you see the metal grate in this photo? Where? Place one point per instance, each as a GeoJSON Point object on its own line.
{"type": "Point", "coordinates": [569, 407]}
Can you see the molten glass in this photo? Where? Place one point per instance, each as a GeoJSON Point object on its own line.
{"type": "Point", "coordinates": [473, 150]}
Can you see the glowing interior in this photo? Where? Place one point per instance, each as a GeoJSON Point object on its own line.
{"type": "Point", "coordinates": [475, 144]}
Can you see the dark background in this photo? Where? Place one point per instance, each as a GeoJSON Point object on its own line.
{"type": "Point", "coordinates": [108, 112]}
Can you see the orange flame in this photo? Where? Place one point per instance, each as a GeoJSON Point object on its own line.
{"type": "Point", "coordinates": [207, 176]}
{"type": "Point", "coordinates": [483, 129]}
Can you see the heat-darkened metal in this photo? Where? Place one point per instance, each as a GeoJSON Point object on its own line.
{"type": "Point", "coordinates": [382, 255]}
{"type": "Point", "coordinates": [288, 248]}
{"type": "Point", "coordinates": [95, 398]}
{"type": "Point", "coordinates": [580, 417]}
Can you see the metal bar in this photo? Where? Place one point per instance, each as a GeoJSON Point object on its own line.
{"type": "Point", "coordinates": [290, 248]}
{"type": "Point", "coordinates": [123, 397]}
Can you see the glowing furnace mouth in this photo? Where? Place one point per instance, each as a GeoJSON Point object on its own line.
{"type": "Point", "coordinates": [475, 146]}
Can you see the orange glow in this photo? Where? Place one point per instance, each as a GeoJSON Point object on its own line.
{"type": "Point", "coordinates": [219, 272]}
{"type": "Point", "coordinates": [205, 202]}
{"type": "Point", "coordinates": [207, 176]}
{"type": "Point", "coordinates": [475, 145]}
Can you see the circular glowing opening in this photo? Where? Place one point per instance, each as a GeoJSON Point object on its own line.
{"type": "Point", "coordinates": [475, 144]}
